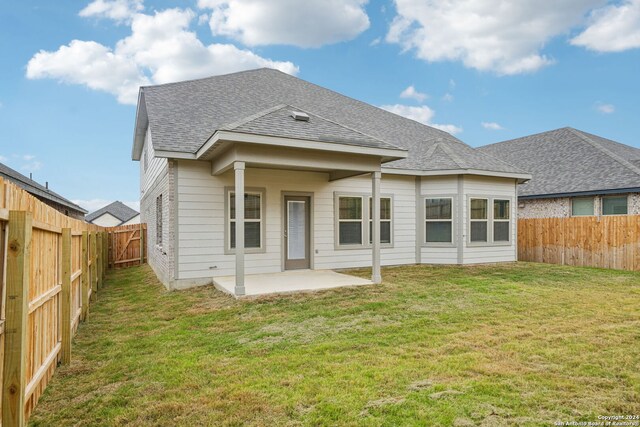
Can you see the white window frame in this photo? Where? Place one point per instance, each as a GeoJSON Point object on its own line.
{"type": "Point", "coordinates": [494, 220]}
{"type": "Point", "coordinates": [452, 243]}
{"type": "Point", "coordinates": [593, 202]}
{"type": "Point", "coordinates": [612, 196]}
{"type": "Point", "coordinates": [364, 220]}
{"type": "Point", "coordinates": [390, 221]}
{"type": "Point", "coordinates": [490, 221]}
{"type": "Point", "coordinates": [227, 220]}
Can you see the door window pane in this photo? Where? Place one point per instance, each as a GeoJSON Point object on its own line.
{"type": "Point", "coordinates": [582, 206]}
{"type": "Point", "coordinates": [614, 205]}
{"type": "Point", "coordinates": [438, 232]}
{"type": "Point", "coordinates": [296, 230]}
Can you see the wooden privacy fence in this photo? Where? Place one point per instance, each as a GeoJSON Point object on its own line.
{"type": "Point", "coordinates": [606, 241]}
{"type": "Point", "coordinates": [127, 245]}
{"type": "Point", "coordinates": [51, 268]}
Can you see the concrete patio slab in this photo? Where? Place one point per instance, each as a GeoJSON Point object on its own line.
{"type": "Point", "coordinates": [289, 282]}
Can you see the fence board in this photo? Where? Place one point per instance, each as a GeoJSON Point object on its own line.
{"type": "Point", "coordinates": [127, 245]}
{"type": "Point", "coordinates": [606, 242]}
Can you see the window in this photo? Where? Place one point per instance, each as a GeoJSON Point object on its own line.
{"type": "Point", "coordinates": [385, 220]}
{"type": "Point", "coordinates": [438, 220]}
{"type": "Point", "coordinates": [252, 220]}
{"type": "Point", "coordinates": [582, 206]}
{"type": "Point", "coordinates": [479, 220]}
{"type": "Point", "coordinates": [350, 220]}
{"type": "Point", "coordinates": [159, 220]}
{"type": "Point", "coordinates": [501, 220]}
{"type": "Point", "coordinates": [616, 205]}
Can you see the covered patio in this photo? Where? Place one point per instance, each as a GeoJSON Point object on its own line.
{"type": "Point", "coordinates": [288, 282]}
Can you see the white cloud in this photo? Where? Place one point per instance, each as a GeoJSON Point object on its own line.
{"type": "Point", "coordinates": [505, 37]}
{"type": "Point", "coordinates": [412, 93]}
{"type": "Point", "coordinates": [491, 126]}
{"type": "Point", "coordinates": [605, 108]}
{"type": "Point", "coordinates": [160, 49]}
{"type": "Point", "coordinates": [31, 166]}
{"type": "Point", "coordinates": [422, 114]}
{"type": "Point", "coordinates": [28, 157]}
{"type": "Point", "coordinates": [118, 10]}
{"type": "Point", "coordinates": [447, 97]}
{"type": "Point", "coordinates": [613, 28]}
{"type": "Point", "coordinates": [376, 41]}
{"type": "Point", "coordinates": [311, 23]}
{"type": "Point", "coordinates": [3, 159]}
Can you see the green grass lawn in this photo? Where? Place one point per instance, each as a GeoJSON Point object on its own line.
{"type": "Point", "coordinates": [521, 344]}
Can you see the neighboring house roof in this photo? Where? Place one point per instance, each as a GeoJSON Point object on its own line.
{"type": "Point", "coordinates": [37, 190]}
{"type": "Point", "coordinates": [183, 115]}
{"type": "Point", "coordinates": [568, 160]}
{"type": "Point", "coordinates": [117, 209]}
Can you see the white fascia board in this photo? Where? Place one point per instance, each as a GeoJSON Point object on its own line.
{"type": "Point", "coordinates": [297, 143]}
{"type": "Point", "coordinates": [174, 154]}
{"type": "Point", "coordinates": [520, 176]}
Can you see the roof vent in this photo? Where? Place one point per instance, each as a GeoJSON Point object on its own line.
{"type": "Point", "coordinates": [300, 116]}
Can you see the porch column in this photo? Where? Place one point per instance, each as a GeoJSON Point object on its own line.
{"type": "Point", "coordinates": [376, 277]}
{"type": "Point", "coordinates": [239, 191]}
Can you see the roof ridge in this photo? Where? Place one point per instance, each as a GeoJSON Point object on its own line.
{"type": "Point", "coordinates": [605, 150]}
{"type": "Point", "coordinates": [453, 156]}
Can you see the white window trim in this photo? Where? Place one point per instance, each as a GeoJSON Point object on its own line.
{"type": "Point", "coordinates": [611, 196]}
{"type": "Point", "coordinates": [364, 220]}
{"type": "Point", "coordinates": [490, 220]}
{"type": "Point", "coordinates": [508, 221]}
{"type": "Point", "coordinates": [227, 220]}
{"type": "Point", "coordinates": [593, 201]}
{"type": "Point", "coordinates": [451, 244]}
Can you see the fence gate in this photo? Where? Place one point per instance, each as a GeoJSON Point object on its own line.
{"type": "Point", "coordinates": [127, 245]}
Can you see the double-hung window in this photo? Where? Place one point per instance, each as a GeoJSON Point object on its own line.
{"type": "Point", "coordinates": [159, 220]}
{"type": "Point", "coordinates": [438, 220]}
{"type": "Point", "coordinates": [479, 220]}
{"type": "Point", "coordinates": [253, 219]}
{"type": "Point", "coordinates": [582, 206]}
{"type": "Point", "coordinates": [385, 220]}
{"type": "Point", "coordinates": [614, 205]}
{"type": "Point", "coordinates": [501, 220]}
{"type": "Point", "coordinates": [350, 220]}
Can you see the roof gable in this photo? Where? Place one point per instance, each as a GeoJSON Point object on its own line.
{"type": "Point", "coordinates": [116, 209]}
{"type": "Point", "coordinates": [568, 160]}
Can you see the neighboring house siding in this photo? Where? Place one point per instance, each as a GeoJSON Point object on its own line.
{"type": "Point", "coordinates": [106, 220]}
{"type": "Point", "coordinates": [134, 220]}
{"type": "Point", "coordinates": [156, 180]}
{"type": "Point", "coordinates": [561, 207]}
{"type": "Point", "coordinates": [201, 220]}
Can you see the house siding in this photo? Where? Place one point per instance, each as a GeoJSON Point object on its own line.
{"type": "Point", "coordinates": [156, 180]}
{"type": "Point", "coordinates": [200, 219]}
{"type": "Point", "coordinates": [561, 207]}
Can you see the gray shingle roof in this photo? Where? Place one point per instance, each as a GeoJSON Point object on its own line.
{"type": "Point", "coordinates": [277, 121]}
{"type": "Point", "coordinates": [38, 190]}
{"type": "Point", "coordinates": [118, 209]}
{"type": "Point", "coordinates": [183, 115]}
{"type": "Point", "coordinates": [568, 160]}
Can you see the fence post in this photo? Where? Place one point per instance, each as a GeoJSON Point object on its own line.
{"type": "Point", "coordinates": [99, 260]}
{"type": "Point", "coordinates": [85, 275]}
{"type": "Point", "coordinates": [105, 255]}
{"type": "Point", "coordinates": [17, 305]}
{"type": "Point", "coordinates": [66, 297]}
{"type": "Point", "coordinates": [93, 257]}
{"type": "Point", "coordinates": [142, 243]}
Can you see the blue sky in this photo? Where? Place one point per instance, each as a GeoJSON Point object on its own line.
{"type": "Point", "coordinates": [485, 70]}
